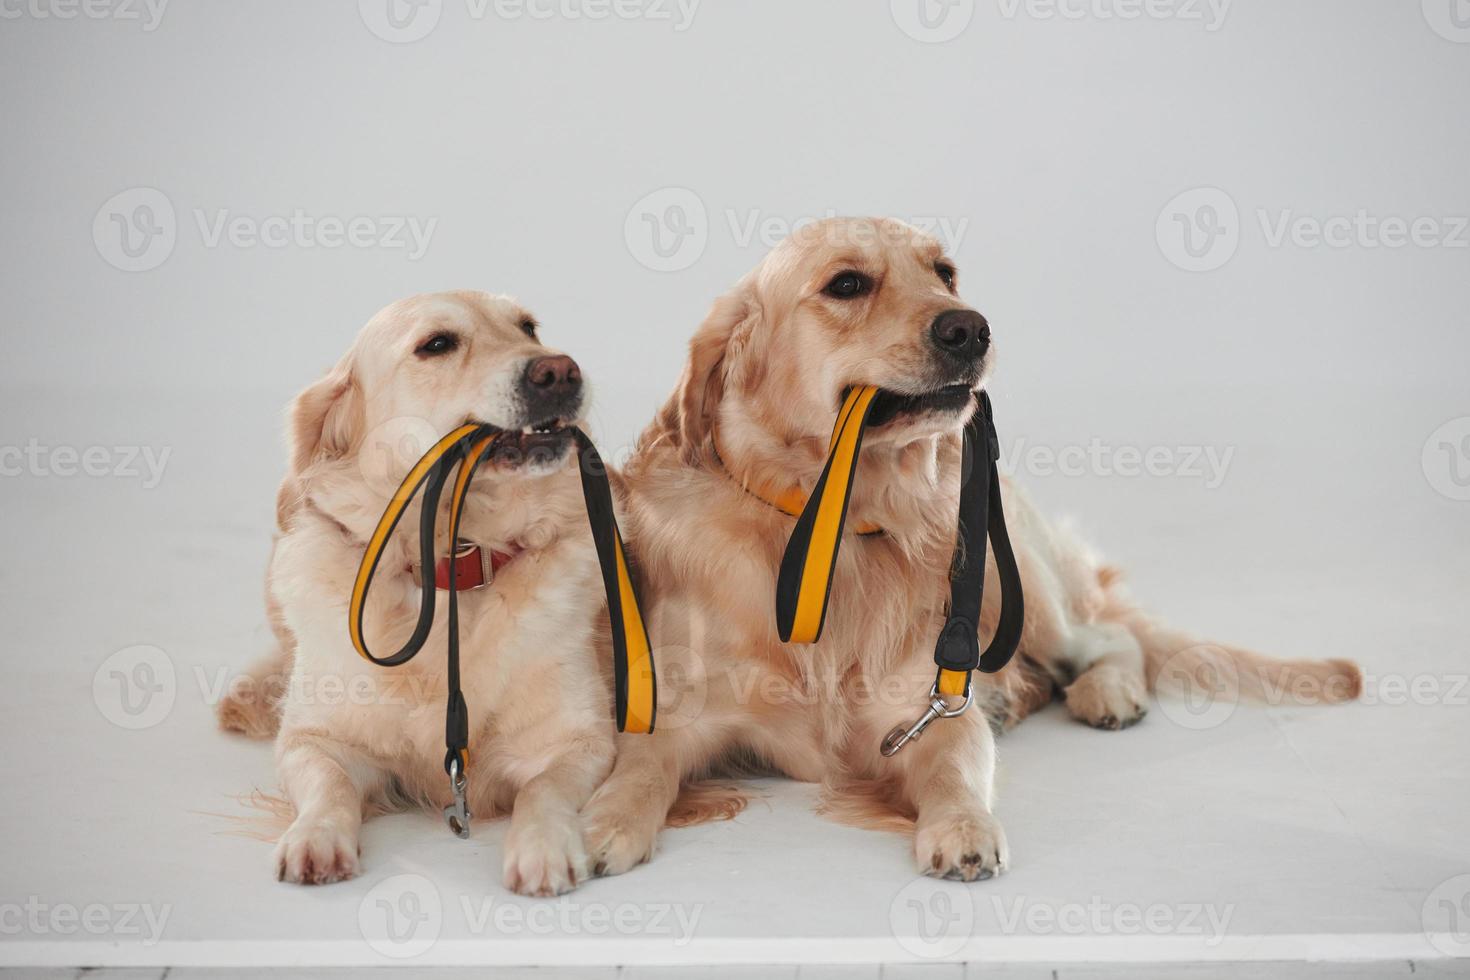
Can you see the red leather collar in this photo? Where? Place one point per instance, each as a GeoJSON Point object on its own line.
{"type": "Point", "coordinates": [475, 567]}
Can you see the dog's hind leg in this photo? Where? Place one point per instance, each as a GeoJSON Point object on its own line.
{"type": "Point", "coordinates": [251, 705]}
{"type": "Point", "coordinates": [1099, 665]}
{"type": "Point", "coordinates": [1110, 691]}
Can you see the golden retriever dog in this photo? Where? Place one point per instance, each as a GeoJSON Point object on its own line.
{"type": "Point", "coordinates": [355, 738]}
{"type": "Point", "coordinates": [841, 303]}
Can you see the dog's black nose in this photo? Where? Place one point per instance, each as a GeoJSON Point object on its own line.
{"type": "Point", "coordinates": [963, 334]}
{"type": "Point", "coordinates": [552, 382]}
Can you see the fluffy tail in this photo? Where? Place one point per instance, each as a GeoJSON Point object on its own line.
{"type": "Point", "coordinates": [702, 802]}
{"type": "Point", "coordinates": [1174, 659]}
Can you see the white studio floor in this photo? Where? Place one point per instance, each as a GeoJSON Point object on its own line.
{"type": "Point", "coordinates": [1281, 833]}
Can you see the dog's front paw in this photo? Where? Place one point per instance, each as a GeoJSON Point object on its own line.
{"type": "Point", "coordinates": [316, 852]}
{"type": "Point", "coordinates": [618, 838]}
{"type": "Point", "coordinates": [968, 846]}
{"type": "Point", "coordinates": [544, 857]}
{"type": "Point", "coordinates": [1106, 697]}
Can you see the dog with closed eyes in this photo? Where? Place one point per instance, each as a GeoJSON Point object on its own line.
{"type": "Point", "coordinates": [843, 303]}
{"type": "Point", "coordinates": [356, 738]}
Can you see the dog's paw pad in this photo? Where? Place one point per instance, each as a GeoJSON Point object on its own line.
{"type": "Point", "coordinates": [1107, 698]}
{"type": "Point", "coordinates": [316, 854]}
{"type": "Point", "coordinates": [962, 846]}
{"type": "Point", "coordinates": [617, 845]}
{"type": "Point", "coordinates": [544, 859]}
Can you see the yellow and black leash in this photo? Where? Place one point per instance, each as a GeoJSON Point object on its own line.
{"type": "Point", "coordinates": [467, 447]}
{"type": "Point", "coordinates": [804, 584]}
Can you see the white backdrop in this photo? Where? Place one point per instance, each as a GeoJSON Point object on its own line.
{"type": "Point", "coordinates": [1224, 247]}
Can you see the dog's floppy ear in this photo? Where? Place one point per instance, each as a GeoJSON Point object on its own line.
{"type": "Point", "coordinates": [712, 364]}
{"type": "Point", "coordinates": [324, 422]}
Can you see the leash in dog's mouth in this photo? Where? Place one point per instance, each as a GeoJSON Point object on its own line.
{"type": "Point", "coordinates": [889, 406]}
{"type": "Point", "coordinates": [804, 583]}
{"type": "Point", "coordinates": [468, 446]}
{"type": "Point", "coordinates": [543, 442]}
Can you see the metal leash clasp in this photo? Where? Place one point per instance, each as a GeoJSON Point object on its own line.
{"type": "Point", "coordinates": [938, 708]}
{"type": "Point", "coordinates": [457, 815]}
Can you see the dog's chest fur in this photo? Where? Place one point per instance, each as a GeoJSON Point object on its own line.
{"type": "Point", "coordinates": [527, 652]}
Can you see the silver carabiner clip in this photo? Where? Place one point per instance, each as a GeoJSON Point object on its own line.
{"type": "Point", "coordinates": [457, 815]}
{"type": "Point", "coordinates": [938, 708]}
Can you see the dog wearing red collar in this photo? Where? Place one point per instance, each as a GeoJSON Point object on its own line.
{"type": "Point", "coordinates": [352, 737]}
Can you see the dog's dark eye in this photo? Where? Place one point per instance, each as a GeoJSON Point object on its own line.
{"type": "Point", "coordinates": [848, 285]}
{"type": "Point", "coordinates": [946, 274]}
{"type": "Point", "coordinates": [528, 327]}
{"type": "Point", "coordinates": [440, 343]}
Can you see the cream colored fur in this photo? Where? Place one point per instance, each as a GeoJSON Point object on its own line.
{"type": "Point", "coordinates": [763, 382]}
{"type": "Point", "coordinates": [353, 735]}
